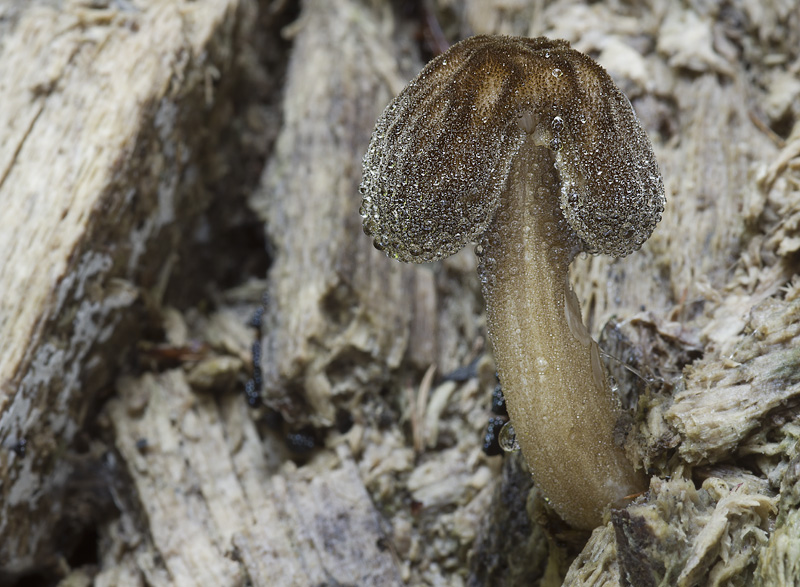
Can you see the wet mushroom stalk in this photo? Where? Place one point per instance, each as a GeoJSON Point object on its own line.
{"type": "Point", "coordinates": [528, 148]}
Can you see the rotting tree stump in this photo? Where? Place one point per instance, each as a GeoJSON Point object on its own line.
{"type": "Point", "coordinates": [111, 115]}
{"type": "Point", "coordinates": [141, 142]}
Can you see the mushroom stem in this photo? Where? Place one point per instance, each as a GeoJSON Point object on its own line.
{"type": "Point", "coordinates": [558, 397]}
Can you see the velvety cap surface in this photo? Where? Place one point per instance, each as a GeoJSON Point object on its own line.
{"type": "Point", "coordinates": [440, 154]}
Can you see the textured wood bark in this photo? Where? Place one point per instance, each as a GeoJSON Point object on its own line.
{"type": "Point", "coordinates": [114, 124]}
{"type": "Point", "coordinates": [334, 301]}
{"type": "Point", "coordinates": [340, 318]}
{"type": "Point", "coordinates": [207, 488]}
{"type": "Point", "coordinates": [107, 113]}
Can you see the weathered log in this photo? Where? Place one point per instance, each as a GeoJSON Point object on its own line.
{"type": "Point", "coordinates": [109, 114]}
{"type": "Point", "coordinates": [105, 157]}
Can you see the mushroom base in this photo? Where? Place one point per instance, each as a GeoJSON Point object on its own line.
{"type": "Point", "coordinates": [559, 400]}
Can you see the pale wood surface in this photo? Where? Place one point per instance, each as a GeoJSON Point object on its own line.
{"type": "Point", "coordinates": [105, 112]}
{"type": "Point", "coordinates": [93, 152]}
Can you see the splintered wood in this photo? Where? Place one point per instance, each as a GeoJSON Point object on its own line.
{"type": "Point", "coordinates": [99, 167]}
{"type": "Point", "coordinates": [111, 131]}
{"type": "Point", "coordinates": [215, 514]}
{"type": "Point", "coordinates": [339, 315]}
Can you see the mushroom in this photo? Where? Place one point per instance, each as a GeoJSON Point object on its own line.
{"type": "Point", "coordinates": [528, 148]}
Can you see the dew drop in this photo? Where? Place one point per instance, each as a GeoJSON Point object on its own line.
{"type": "Point", "coordinates": [558, 123]}
{"type": "Point", "coordinates": [508, 438]}
{"type": "Point", "coordinates": [557, 72]}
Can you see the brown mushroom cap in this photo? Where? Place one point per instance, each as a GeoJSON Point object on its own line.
{"type": "Point", "coordinates": [441, 151]}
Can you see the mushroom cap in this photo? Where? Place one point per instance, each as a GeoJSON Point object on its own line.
{"type": "Point", "coordinates": [440, 154]}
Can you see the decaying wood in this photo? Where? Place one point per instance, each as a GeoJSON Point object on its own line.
{"type": "Point", "coordinates": [100, 160]}
{"type": "Point", "coordinates": [339, 317]}
{"type": "Point", "coordinates": [206, 488]}
{"type": "Point", "coordinates": [334, 302]}
{"type": "Point", "coordinates": [103, 162]}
